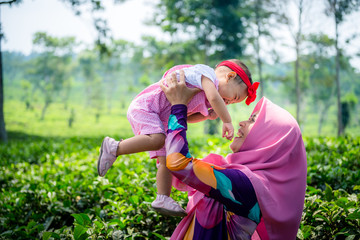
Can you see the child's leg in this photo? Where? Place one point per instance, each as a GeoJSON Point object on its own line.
{"type": "Point", "coordinates": [163, 202]}
{"type": "Point", "coordinates": [110, 148]}
{"type": "Point", "coordinates": [163, 178]}
{"type": "Point", "coordinates": [141, 143]}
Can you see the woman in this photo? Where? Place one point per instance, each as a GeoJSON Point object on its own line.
{"type": "Point", "coordinates": [257, 192]}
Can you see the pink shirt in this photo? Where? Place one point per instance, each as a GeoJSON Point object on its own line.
{"type": "Point", "coordinates": [149, 112]}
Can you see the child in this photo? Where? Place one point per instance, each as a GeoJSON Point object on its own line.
{"type": "Point", "coordinates": [149, 112]}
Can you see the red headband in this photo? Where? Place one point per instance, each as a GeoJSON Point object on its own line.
{"type": "Point", "coordinates": [239, 71]}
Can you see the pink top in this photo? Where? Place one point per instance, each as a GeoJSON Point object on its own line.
{"type": "Point", "coordinates": [273, 157]}
{"type": "Point", "coordinates": [149, 112]}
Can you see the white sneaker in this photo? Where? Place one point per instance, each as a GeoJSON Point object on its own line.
{"type": "Point", "coordinates": [167, 206]}
{"type": "Point", "coordinates": [107, 155]}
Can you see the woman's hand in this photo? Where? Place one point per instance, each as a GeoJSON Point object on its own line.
{"type": "Point", "coordinates": [177, 92]}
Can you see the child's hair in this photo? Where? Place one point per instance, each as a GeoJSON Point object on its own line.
{"type": "Point", "coordinates": [244, 67]}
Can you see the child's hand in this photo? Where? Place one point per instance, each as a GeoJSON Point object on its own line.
{"type": "Point", "coordinates": [212, 115]}
{"type": "Point", "coordinates": [228, 131]}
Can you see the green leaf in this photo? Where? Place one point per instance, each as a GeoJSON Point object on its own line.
{"type": "Point", "coordinates": [86, 218]}
{"type": "Point", "coordinates": [158, 235]}
{"type": "Point", "coordinates": [120, 190]}
{"type": "Point", "coordinates": [306, 230]}
{"type": "Point", "coordinates": [81, 219]}
{"type": "Point", "coordinates": [355, 215]}
{"type": "Point", "coordinates": [99, 224]}
{"type": "Point", "coordinates": [47, 235]}
{"type": "Point", "coordinates": [351, 237]}
{"type": "Point", "coordinates": [328, 193]}
{"type": "Point", "coordinates": [31, 224]}
{"type": "Point", "coordinates": [79, 231]}
{"type": "Point", "coordinates": [8, 232]}
{"type": "Point", "coordinates": [134, 199]}
{"type": "Point", "coordinates": [118, 222]}
{"type": "Point", "coordinates": [78, 218]}
{"type": "Point", "coordinates": [319, 217]}
{"type": "Point", "coordinates": [299, 235]}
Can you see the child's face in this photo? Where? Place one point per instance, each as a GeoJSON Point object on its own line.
{"type": "Point", "coordinates": [231, 91]}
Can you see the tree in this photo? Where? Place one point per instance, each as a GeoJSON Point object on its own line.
{"type": "Point", "coordinates": [263, 15]}
{"type": "Point", "coordinates": [99, 23]}
{"type": "Point", "coordinates": [93, 86]}
{"type": "Point", "coordinates": [163, 55]}
{"type": "Point", "coordinates": [110, 67]}
{"type": "Point", "coordinates": [215, 27]}
{"type": "Point", "coordinates": [298, 39]}
{"type": "Point", "coordinates": [52, 69]}
{"type": "Point", "coordinates": [338, 9]}
{"type": "Point", "coordinates": [3, 134]}
{"type": "Point", "coordinates": [319, 63]}
{"type": "Point", "coordinates": [348, 106]}
{"type": "Point", "coordinates": [302, 7]}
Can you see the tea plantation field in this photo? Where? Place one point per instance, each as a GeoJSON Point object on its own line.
{"type": "Point", "coordinates": [50, 190]}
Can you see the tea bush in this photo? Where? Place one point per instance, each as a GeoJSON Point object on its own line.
{"type": "Point", "coordinates": [50, 190]}
{"type": "Point", "coordinates": [335, 161]}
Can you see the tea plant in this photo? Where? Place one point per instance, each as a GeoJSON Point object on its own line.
{"type": "Point", "coordinates": [50, 190]}
{"type": "Point", "coordinates": [335, 161]}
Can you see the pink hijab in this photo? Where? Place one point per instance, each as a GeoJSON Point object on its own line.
{"type": "Point", "coordinates": [274, 159]}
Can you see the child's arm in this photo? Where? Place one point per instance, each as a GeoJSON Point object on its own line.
{"type": "Point", "coordinates": [218, 104]}
{"type": "Point", "coordinates": [198, 117]}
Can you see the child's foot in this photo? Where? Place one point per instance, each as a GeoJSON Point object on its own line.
{"type": "Point", "coordinates": [107, 155]}
{"type": "Point", "coordinates": [167, 206]}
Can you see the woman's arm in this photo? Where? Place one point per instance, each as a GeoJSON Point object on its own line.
{"type": "Point", "coordinates": [177, 126]}
{"type": "Point", "coordinates": [178, 156]}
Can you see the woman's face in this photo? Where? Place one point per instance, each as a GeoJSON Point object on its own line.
{"type": "Point", "coordinates": [244, 129]}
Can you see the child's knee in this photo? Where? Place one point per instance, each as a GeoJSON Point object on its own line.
{"type": "Point", "coordinates": [158, 141]}
{"type": "Point", "coordinates": [162, 161]}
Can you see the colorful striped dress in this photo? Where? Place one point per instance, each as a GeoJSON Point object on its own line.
{"type": "Point", "coordinates": [228, 208]}
{"type": "Point", "coordinates": [257, 192]}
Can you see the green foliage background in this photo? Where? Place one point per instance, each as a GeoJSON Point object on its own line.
{"type": "Point", "coordinates": [50, 188]}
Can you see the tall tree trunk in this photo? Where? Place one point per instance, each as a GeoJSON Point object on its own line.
{"type": "Point", "coordinates": [338, 91]}
{"type": "Point", "coordinates": [3, 134]}
{"type": "Point", "coordinates": [297, 62]}
{"type": "Point", "coordinates": [297, 85]}
{"type": "Point", "coordinates": [257, 47]}
{"type": "Point", "coordinates": [47, 103]}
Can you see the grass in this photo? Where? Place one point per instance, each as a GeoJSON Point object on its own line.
{"type": "Point", "coordinates": [115, 123]}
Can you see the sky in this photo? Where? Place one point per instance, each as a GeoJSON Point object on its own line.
{"type": "Point", "coordinates": [20, 22]}
{"type": "Point", "coordinates": [126, 21]}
